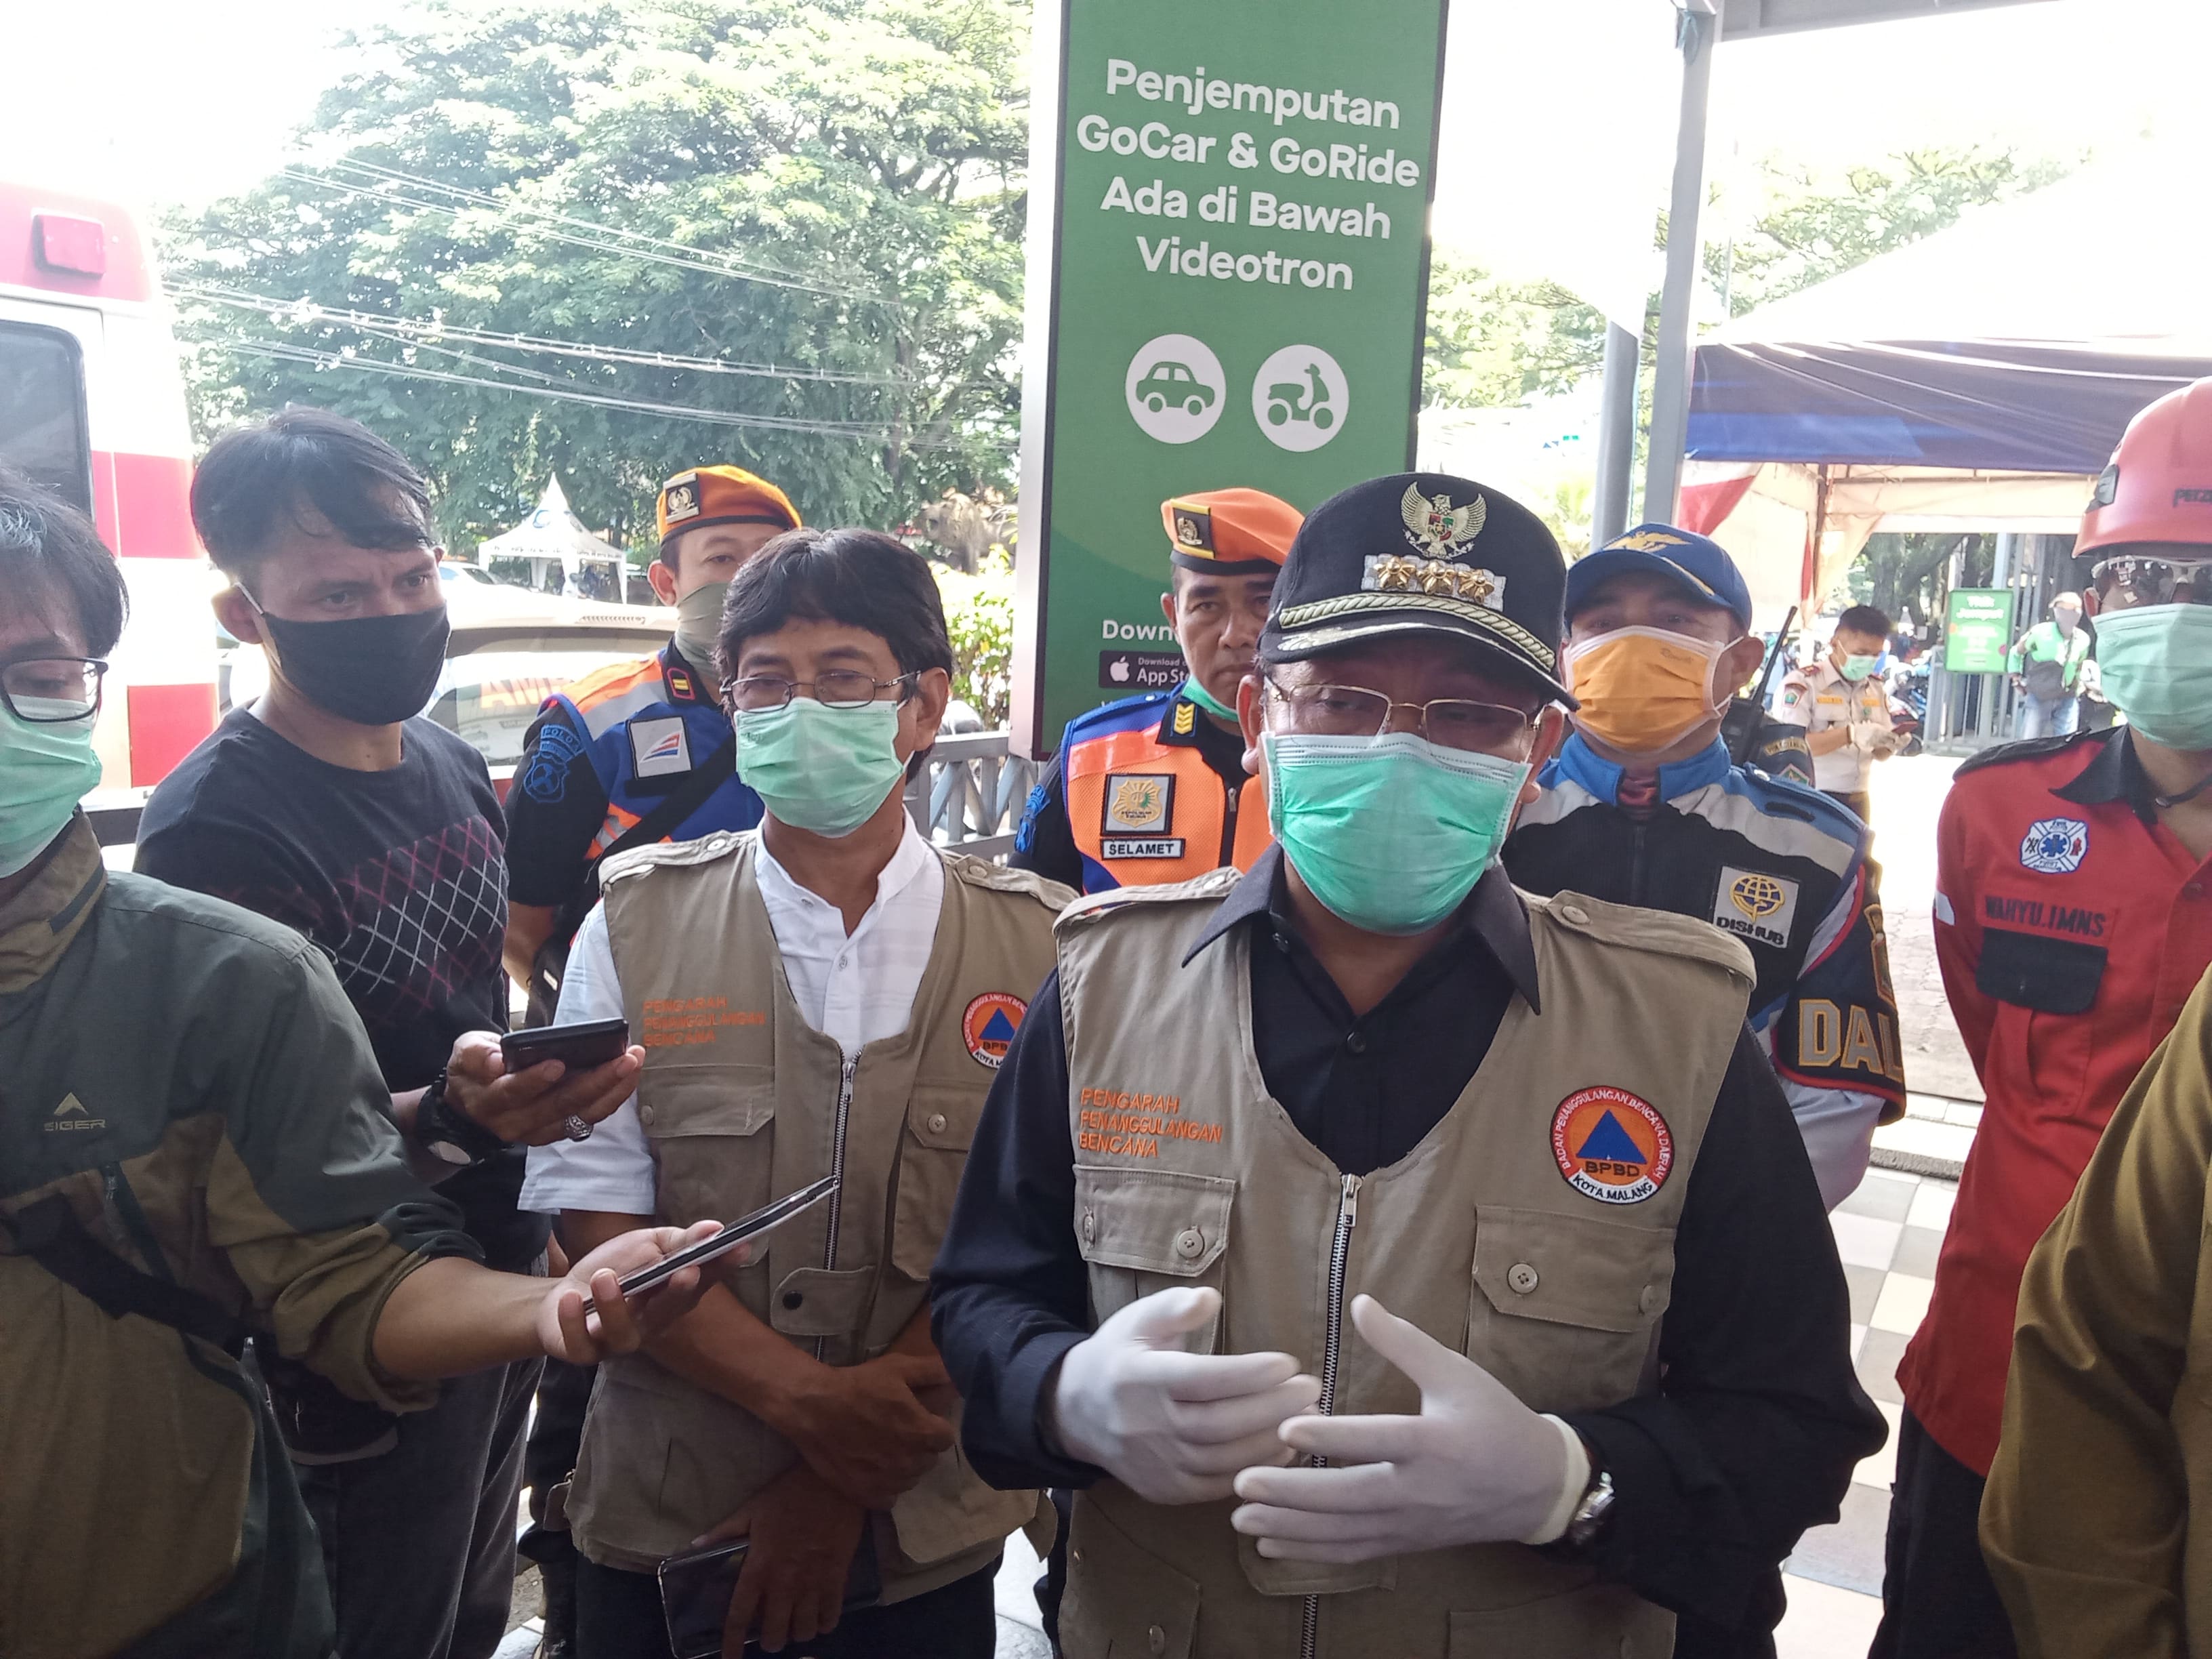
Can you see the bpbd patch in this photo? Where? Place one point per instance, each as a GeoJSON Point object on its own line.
{"type": "Point", "coordinates": [989, 1026]}
{"type": "Point", "coordinates": [1612, 1146]}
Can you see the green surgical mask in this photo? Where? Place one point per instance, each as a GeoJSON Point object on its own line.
{"type": "Point", "coordinates": [45, 770]}
{"type": "Point", "coordinates": [699, 625]}
{"type": "Point", "coordinates": [2157, 666]}
{"type": "Point", "coordinates": [1856, 669]}
{"type": "Point", "coordinates": [1390, 833]}
{"type": "Point", "coordinates": [817, 767]}
{"type": "Point", "coordinates": [1205, 699]}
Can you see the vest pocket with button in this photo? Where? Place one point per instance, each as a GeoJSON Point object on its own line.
{"type": "Point", "coordinates": [702, 1124]}
{"type": "Point", "coordinates": [1122, 1600]}
{"type": "Point", "coordinates": [940, 1127]}
{"type": "Point", "coordinates": [1143, 1230]}
{"type": "Point", "coordinates": [1564, 1309]}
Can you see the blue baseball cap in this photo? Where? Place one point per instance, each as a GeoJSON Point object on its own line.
{"type": "Point", "coordinates": [1700, 565]}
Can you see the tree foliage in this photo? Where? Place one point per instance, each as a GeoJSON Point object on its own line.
{"type": "Point", "coordinates": [859, 161]}
{"type": "Point", "coordinates": [1496, 345]}
{"type": "Point", "coordinates": [1811, 230]}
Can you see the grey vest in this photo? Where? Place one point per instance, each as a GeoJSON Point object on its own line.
{"type": "Point", "coordinates": [1531, 1229]}
{"type": "Point", "coordinates": [741, 1100]}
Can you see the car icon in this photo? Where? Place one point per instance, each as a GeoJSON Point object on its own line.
{"type": "Point", "coordinates": [1168, 382]}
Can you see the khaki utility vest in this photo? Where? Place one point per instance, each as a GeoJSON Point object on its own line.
{"type": "Point", "coordinates": [741, 1101]}
{"type": "Point", "coordinates": [1532, 1230]}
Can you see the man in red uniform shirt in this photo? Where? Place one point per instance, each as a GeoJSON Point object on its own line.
{"type": "Point", "coordinates": [2074, 917]}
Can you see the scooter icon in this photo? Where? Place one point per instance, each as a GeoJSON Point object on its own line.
{"type": "Point", "coordinates": [1289, 401]}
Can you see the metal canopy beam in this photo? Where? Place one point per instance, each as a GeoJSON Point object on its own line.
{"type": "Point", "coordinates": [1743, 20]}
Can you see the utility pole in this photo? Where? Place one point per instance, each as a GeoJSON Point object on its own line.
{"type": "Point", "coordinates": [1697, 32]}
{"type": "Point", "coordinates": [1616, 436]}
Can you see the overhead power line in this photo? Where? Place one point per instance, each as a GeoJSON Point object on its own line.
{"type": "Point", "coordinates": [389, 194]}
{"type": "Point", "coordinates": [415, 330]}
{"type": "Point", "coordinates": [513, 207]}
{"type": "Point", "coordinates": [318, 358]}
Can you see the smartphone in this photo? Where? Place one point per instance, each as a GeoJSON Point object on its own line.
{"type": "Point", "coordinates": [695, 1590]}
{"type": "Point", "coordinates": [580, 1047]}
{"type": "Point", "coordinates": [745, 1227]}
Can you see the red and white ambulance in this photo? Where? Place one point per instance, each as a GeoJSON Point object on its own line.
{"type": "Point", "coordinates": [92, 406]}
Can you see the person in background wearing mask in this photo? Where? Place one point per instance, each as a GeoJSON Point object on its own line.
{"type": "Point", "coordinates": [638, 752]}
{"type": "Point", "coordinates": [1153, 788]}
{"type": "Point", "coordinates": [2047, 670]}
{"type": "Point", "coordinates": [329, 806]}
{"type": "Point", "coordinates": [2073, 919]}
{"type": "Point", "coordinates": [194, 1135]}
{"type": "Point", "coordinates": [1845, 708]}
{"type": "Point", "coordinates": [1249, 1111]}
{"type": "Point", "coordinates": [832, 994]}
{"type": "Point", "coordinates": [1642, 806]}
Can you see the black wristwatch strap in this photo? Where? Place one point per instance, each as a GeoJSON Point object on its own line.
{"type": "Point", "coordinates": [438, 1126]}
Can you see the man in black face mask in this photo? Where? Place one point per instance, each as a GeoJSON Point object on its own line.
{"type": "Point", "coordinates": [332, 806]}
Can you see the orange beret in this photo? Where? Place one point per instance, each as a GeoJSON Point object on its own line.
{"type": "Point", "coordinates": [721, 495]}
{"type": "Point", "coordinates": [1231, 531]}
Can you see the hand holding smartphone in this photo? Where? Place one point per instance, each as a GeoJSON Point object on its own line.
{"type": "Point", "coordinates": [737, 1232]}
{"type": "Point", "coordinates": [580, 1047]}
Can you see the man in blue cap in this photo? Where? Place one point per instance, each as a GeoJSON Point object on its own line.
{"type": "Point", "coordinates": [1643, 805]}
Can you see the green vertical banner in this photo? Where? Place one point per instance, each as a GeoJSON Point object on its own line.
{"type": "Point", "coordinates": [1977, 629]}
{"type": "Point", "coordinates": [1228, 267]}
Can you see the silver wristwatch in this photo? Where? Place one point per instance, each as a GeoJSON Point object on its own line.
{"type": "Point", "coordinates": [1587, 1525]}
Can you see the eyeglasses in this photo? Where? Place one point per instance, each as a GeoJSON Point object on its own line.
{"type": "Point", "coordinates": [1351, 711]}
{"type": "Point", "coordinates": [52, 690]}
{"type": "Point", "coordinates": [2159, 581]}
{"type": "Point", "coordinates": [841, 688]}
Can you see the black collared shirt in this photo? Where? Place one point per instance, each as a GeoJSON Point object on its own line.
{"type": "Point", "coordinates": [1759, 1419]}
{"type": "Point", "coordinates": [2116, 775]}
{"type": "Point", "coordinates": [1365, 1089]}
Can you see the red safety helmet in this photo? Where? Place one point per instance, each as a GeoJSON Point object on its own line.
{"type": "Point", "coordinates": [2158, 486]}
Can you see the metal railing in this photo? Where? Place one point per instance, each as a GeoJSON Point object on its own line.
{"type": "Point", "coordinates": [970, 797]}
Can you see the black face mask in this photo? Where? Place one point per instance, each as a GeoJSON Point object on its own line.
{"type": "Point", "coordinates": [373, 670]}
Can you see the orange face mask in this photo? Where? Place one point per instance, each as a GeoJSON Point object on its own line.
{"type": "Point", "coordinates": [1642, 690]}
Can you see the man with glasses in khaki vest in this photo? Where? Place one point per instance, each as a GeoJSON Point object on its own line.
{"type": "Point", "coordinates": [1612, 1383]}
{"type": "Point", "coordinates": [828, 995]}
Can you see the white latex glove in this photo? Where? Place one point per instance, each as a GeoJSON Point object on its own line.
{"type": "Point", "coordinates": [1476, 1466]}
{"type": "Point", "coordinates": [1866, 735]}
{"type": "Point", "coordinates": [1174, 1427]}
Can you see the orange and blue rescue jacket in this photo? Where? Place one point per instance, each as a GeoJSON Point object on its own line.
{"type": "Point", "coordinates": [1145, 790]}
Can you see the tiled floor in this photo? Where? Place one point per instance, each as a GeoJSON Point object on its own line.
{"type": "Point", "coordinates": [1887, 1233]}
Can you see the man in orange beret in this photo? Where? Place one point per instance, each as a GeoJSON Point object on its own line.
{"type": "Point", "coordinates": [1153, 788]}
{"type": "Point", "coordinates": [636, 753]}
{"type": "Point", "coordinates": [639, 751]}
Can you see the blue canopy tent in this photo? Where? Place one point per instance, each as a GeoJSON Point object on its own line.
{"type": "Point", "coordinates": [1977, 378]}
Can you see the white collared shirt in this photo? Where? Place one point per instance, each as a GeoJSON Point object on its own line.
{"type": "Point", "coordinates": [1820, 698]}
{"type": "Point", "coordinates": [856, 988]}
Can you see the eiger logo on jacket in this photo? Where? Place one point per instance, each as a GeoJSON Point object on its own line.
{"type": "Point", "coordinates": [72, 1115]}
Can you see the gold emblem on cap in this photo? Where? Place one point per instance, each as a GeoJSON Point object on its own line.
{"type": "Point", "coordinates": [1392, 572]}
{"type": "Point", "coordinates": [1646, 541]}
{"type": "Point", "coordinates": [1194, 528]}
{"type": "Point", "coordinates": [1435, 526]}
